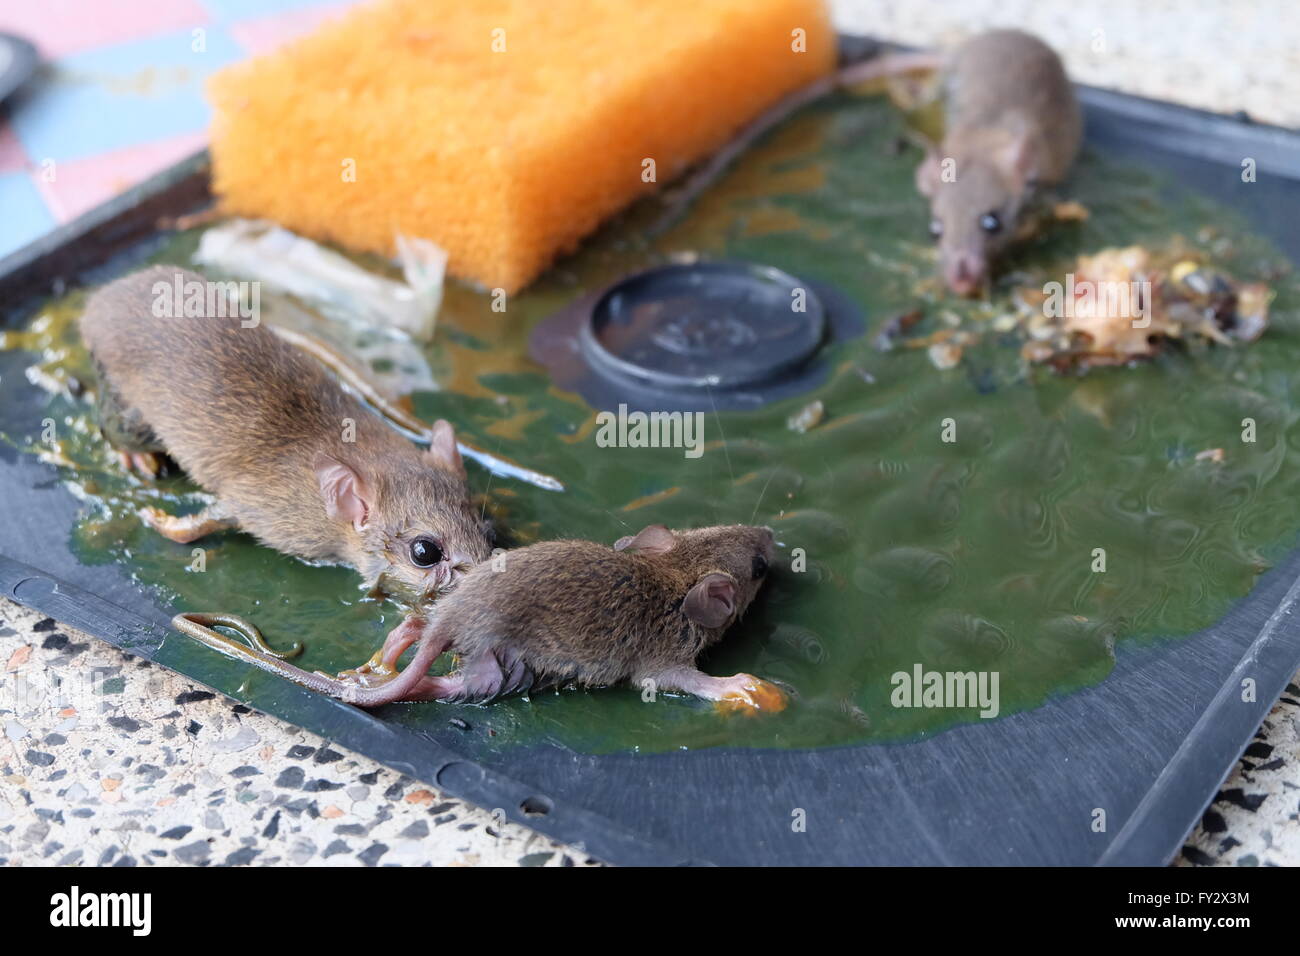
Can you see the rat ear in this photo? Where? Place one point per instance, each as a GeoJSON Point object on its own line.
{"type": "Point", "coordinates": [929, 173]}
{"type": "Point", "coordinates": [442, 451]}
{"type": "Point", "coordinates": [346, 494]}
{"type": "Point", "coordinates": [652, 539]}
{"type": "Point", "coordinates": [1018, 161]}
{"type": "Point", "coordinates": [712, 601]}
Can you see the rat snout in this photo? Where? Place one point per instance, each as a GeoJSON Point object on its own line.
{"type": "Point", "coordinates": [458, 564]}
{"type": "Point", "coordinates": [445, 575]}
{"type": "Point", "coordinates": [450, 569]}
{"type": "Point", "coordinates": [964, 272]}
{"type": "Point", "coordinates": [439, 577]}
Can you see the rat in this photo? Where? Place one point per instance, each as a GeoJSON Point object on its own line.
{"type": "Point", "coordinates": [1012, 122]}
{"type": "Point", "coordinates": [568, 612]}
{"type": "Point", "coordinates": [287, 454]}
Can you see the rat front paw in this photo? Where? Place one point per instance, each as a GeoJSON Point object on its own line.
{"type": "Point", "coordinates": [372, 673]}
{"type": "Point", "coordinates": [159, 520]}
{"type": "Point", "coordinates": [146, 464]}
{"type": "Point", "coordinates": [747, 694]}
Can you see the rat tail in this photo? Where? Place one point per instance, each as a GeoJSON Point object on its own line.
{"type": "Point", "coordinates": [401, 687]}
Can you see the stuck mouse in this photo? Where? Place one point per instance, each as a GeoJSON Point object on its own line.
{"type": "Point", "coordinates": [1012, 123]}
{"type": "Point", "coordinates": [288, 455]}
{"type": "Point", "coordinates": [561, 612]}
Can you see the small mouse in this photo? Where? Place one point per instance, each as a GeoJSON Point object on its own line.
{"type": "Point", "coordinates": [288, 455]}
{"type": "Point", "coordinates": [561, 612]}
{"type": "Point", "coordinates": [1012, 123]}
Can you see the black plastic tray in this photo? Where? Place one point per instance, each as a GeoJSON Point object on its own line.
{"type": "Point", "coordinates": [1150, 745]}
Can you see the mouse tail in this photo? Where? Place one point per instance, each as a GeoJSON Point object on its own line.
{"type": "Point", "coordinates": [889, 64]}
{"type": "Point", "coordinates": [404, 686]}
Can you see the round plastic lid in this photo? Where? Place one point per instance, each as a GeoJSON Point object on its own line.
{"type": "Point", "coordinates": [704, 326]}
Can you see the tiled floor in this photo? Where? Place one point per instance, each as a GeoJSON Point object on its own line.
{"type": "Point", "coordinates": [120, 94]}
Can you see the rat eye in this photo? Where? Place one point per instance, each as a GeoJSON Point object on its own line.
{"type": "Point", "coordinates": [425, 552]}
{"type": "Point", "coordinates": [936, 228]}
{"type": "Point", "coordinates": [759, 566]}
{"type": "Point", "coordinates": [990, 222]}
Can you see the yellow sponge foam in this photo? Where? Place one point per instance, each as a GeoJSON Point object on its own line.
{"type": "Point", "coordinates": [503, 130]}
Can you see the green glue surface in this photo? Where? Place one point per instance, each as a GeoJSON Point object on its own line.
{"type": "Point", "coordinates": [977, 554]}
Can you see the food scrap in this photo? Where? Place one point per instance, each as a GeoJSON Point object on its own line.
{"type": "Point", "coordinates": [1115, 306]}
{"type": "Point", "coordinates": [1122, 304]}
{"type": "Point", "coordinates": [944, 355]}
{"type": "Point", "coordinates": [1070, 211]}
{"type": "Point", "coordinates": [807, 418]}
{"type": "Point", "coordinates": [896, 328]}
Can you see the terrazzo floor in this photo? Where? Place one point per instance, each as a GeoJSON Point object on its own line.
{"type": "Point", "coordinates": [112, 761]}
{"type": "Point", "coordinates": [148, 769]}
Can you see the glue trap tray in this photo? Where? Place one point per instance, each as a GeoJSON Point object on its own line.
{"type": "Point", "coordinates": [1125, 690]}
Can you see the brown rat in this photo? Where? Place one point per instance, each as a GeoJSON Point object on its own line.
{"type": "Point", "coordinates": [562, 612]}
{"type": "Point", "coordinates": [290, 457]}
{"type": "Point", "coordinates": [1012, 123]}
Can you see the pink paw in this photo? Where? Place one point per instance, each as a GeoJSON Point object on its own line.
{"type": "Point", "coordinates": [372, 673]}
{"type": "Point", "coordinates": [143, 463]}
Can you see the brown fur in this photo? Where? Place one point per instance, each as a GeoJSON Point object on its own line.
{"type": "Point", "coordinates": [577, 611]}
{"type": "Point", "coordinates": [1013, 122]}
{"type": "Point", "coordinates": [248, 417]}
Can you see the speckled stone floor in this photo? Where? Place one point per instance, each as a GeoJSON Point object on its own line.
{"type": "Point", "coordinates": [106, 759]}
{"type": "Point", "coordinates": [140, 767]}
{"type": "Point", "coordinates": [1220, 55]}
{"type": "Point", "coordinates": [1255, 818]}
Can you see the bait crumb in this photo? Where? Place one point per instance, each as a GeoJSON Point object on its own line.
{"type": "Point", "coordinates": [944, 355]}
{"type": "Point", "coordinates": [1070, 211]}
{"type": "Point", "coordinates": [807, 418]}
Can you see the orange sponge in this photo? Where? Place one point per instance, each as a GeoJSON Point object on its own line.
{"type": "Point", "coordinates": [503, 130]}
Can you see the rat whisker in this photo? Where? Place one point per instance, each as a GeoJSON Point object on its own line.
{"type": "Point", "coordinates": [718, 419]}
{"type": "Point", "coordinates": [618, 519]}
{"type": "Point", "coordinates": [487, 492]}
{"type": "Point", "coordinates": [761, 495]}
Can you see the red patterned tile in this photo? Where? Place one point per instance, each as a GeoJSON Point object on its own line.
{"type": "Point", "coordinates": [60, 27]}
{"type": "Point", "coordinates": [85, 183]}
